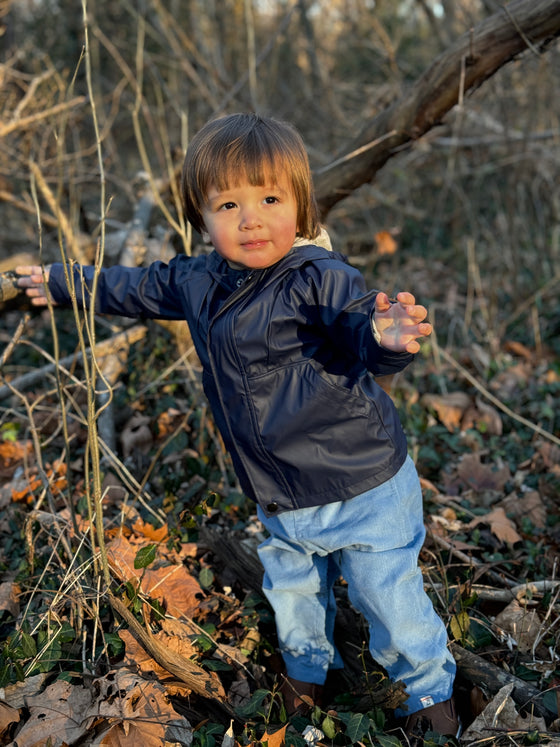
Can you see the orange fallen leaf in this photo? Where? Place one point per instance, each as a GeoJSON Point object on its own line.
{"type": "Point", "coordinates": [149, 531]}
{"type": "Point", "coordinates": [8, 716]}
{"type": "Point", "coordinates": [517, 348]}
{"type": "Point", "coordinates": [14, 451]}
{"type": "Point", "coordinates": [166, 421]}
{"type": "Point", "coordinates": [449, 408]}
{"type": "Point", "coordinates": [139, 713]}
{"type": "Point", "coordinates": [172, 585]}
{"type": "Point", "coordinates": [386, 244]}
{"type": "Point", "coordinates": [276, 739]}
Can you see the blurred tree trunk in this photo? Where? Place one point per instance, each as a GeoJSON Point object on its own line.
{"type": "Point", "coordinates": [518, 26]}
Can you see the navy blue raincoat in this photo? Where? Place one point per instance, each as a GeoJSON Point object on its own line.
{"type": "Point", "coordinates": [289, 363]}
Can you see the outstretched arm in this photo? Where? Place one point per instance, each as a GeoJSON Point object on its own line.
{"type": "Point", "coordinates": [400, 323]}
{"type": "Point", "coordinates": [35, 280]}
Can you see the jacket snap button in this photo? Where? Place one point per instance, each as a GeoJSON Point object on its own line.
{"type": "Point", "coordinates": [272, 507]}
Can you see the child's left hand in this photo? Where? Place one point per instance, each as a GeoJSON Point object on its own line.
{"type": "Point", "coordinates": [400, 323]}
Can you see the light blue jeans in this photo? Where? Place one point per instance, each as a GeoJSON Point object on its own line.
{"type": "Point", "coordinates": [373, 541]}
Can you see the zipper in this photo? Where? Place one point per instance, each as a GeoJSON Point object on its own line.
{"type": "Point", "coordinates": [243, 287]}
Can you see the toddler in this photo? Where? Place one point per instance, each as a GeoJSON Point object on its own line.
{"type": "Point", "coordinates": [290, 342]}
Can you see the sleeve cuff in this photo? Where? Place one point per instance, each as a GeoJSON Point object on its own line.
{"type": "Point", "coordinates": [375, 331]}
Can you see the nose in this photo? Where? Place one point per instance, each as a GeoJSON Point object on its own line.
{"type": "Point", "coordinates": [250, 219]}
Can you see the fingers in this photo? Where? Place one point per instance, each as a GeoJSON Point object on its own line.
{"type": "Point", "coordinates": [29, 270]}
{"type": "Point", "coordinates": [382, 302]}
{"type": "Point", "coordinates": [32, 279]}
{"type": "Point", "coordinates": [405, 306]}
{"type": "Point", "coordinates": [400, 322]}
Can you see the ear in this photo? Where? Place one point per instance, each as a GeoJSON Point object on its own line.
{"type": "Point", "coordinates": [206, 237]}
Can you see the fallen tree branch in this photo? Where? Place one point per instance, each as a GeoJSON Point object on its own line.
{"type": "Point", "coordinates": [479, 672]}
{"type": "Point", "coordinates": [491, 594]}
{"type": "Point", "coordinates": [470, 561]}
{"type": "Point", "coordinates": [106, 347]}
{"type": "Point", "coordinates": [189, 672]}
{"type": "Point", "coordinates": [478, 53]}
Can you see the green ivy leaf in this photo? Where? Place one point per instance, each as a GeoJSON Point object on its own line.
{"type": "Point", "coordinates": [205, 578]}
{"type": "Point", "coordinates": [28, 646]}
{"type": "Point", "coordinates": [357, 727]}
{"type": "Point", "coordinates": [253, 707]}
{"type": "Point", "coordinates": [145, 556]}
{"type": "Point", "coordinates": [328, 727]}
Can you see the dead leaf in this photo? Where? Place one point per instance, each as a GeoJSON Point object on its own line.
{"type": "Point", "coordinates": [482, 416]}
{"type": "Point", "coordinates": [449, 408]}
{"type": "Point", "coordinates": [508, 382]}
{"type": "Point", "coordinates": [149, 531]}
{"type": "Point", "coordinates": [14, 451]}
{"type": "Point", "coordinates": [204, 683]}
{"type": "Point", "coordinates": [386, 244]}
{"type": "Point", "coordinates": [57, 714]}
{"type": "Point", "coordinates": [166, 421]}
{"type": "Point", "coordinates": [18, 693]}
{"type": "Point", "coordinates": [136, 435]}
{"type": "Point", "coordinates": [172, 585]}
{"type": "Point", "coordinates": [427, 485]}
{"type": "Point", "coordinates": [529, 506]}
{"type": "Point", "coordinates": [546, 457]}
{"type": "Point", "coordinates": [517, 348]}
{"type": "Point", "coordinates": [8, 716]}
{"type": "Point", "coordinates": [500, 715]}
{"type": "Point", "coordinates": [502, 527]}
{"type": "Point", "coordinates": [482, 477]}
{"type": "Point", "coordinates": [522, 624]}
{"type": "Point", "coordinates": [139, 710]}
{"type": "Point", "coordinates": [276, 739]}
{"type": "Point", "coordinates": [9, 593]}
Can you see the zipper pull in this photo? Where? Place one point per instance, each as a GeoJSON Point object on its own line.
{"type": "Point", "coordinates": [241, 280]}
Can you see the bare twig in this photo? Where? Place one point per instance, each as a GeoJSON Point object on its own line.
{"type": "Point", "coordinates": [26, 122]}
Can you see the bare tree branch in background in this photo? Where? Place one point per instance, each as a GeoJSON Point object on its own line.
{"type": "Point", "coordinates": [472, 59]}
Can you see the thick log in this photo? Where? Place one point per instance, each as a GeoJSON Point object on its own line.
{"type": "Point", "coordinates": [483, 673]}
{"type": "Point", "coordinates": [518, 26]}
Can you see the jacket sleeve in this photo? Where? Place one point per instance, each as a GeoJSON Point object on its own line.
{"type": "Point", "coordinates": [344, 308]}
{"type": "Point", "coordinates": [135, 292]}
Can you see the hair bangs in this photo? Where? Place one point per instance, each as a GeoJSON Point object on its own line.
{"type": "Point", "coordinates": [247, 148]}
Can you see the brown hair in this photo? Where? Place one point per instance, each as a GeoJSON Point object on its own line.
{"type": "Point", "coordinates": [250, 147]}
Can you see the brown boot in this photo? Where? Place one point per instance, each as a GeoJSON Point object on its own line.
{"type": "Point", "coordinates": [299, 697]}
{"type": "Point", "coordinates": [441, 718]}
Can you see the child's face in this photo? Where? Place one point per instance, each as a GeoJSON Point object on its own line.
{"type": "Point", "coordinates": [252, 226]}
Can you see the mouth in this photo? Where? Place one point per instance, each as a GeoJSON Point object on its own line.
{"type": "Point", "coordinates": [255, 244]}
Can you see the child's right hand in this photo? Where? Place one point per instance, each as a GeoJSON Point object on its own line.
{"type": "Point", "coordinates": [34, 280]}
